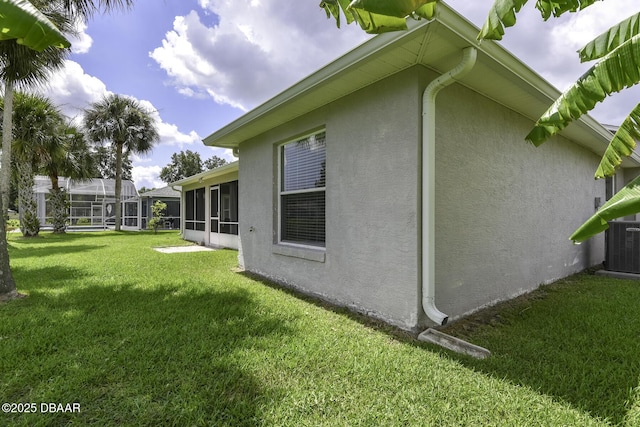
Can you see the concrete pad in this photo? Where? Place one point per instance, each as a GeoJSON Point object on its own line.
{"type": "Point", "coordinates": [183, 249]}
{"type": "Point", "coordinates": [618, 274]}
{"type": "Point", "coordinates": [453, 343]}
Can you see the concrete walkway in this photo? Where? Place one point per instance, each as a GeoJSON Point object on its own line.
{"type": "Point", "coordinates": [183, 249]}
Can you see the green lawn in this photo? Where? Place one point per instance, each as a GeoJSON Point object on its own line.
{"type": "Point", "coordinates": [137, 337]}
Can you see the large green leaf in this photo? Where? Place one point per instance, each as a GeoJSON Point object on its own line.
{"type": "Point", "coordinates": [611, 39]}
{"type": "Point", "coordinates": [618, 70]}
{"type": "Point", "coordinates": [622, 144]}
{"type": "Point", "coordinates": [398, 8]}
{"type": "Point", "coordinates": [503, 14]}
{"type": "Point", "coordinates": [378, 16]}
{"type": "Point", "coordinates": [20, 20]}
{"type": "Point", "coordinates": [558, 7]}
{"type": "Point", "coordinates": [624, 202]}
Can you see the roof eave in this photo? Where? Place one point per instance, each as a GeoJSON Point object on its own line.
{"type": "Point", "coordinates": [209, 174]}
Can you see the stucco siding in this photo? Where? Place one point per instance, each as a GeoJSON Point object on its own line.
{"type": "Point", "coordinates": [505, 209]}
{"type": "Point", "coordinates": [371, 260]}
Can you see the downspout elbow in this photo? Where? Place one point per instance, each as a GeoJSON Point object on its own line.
{"type": "Point", "coordinates": [428, 181]}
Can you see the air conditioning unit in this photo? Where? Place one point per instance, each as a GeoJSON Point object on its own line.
{"type": "Point", "coordinates": [623, 247]}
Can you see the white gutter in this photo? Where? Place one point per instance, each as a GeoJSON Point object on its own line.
{"type": "Point", "coordinates": [429, 178]}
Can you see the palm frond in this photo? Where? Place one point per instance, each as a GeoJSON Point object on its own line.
{"type": "Point", "coordinates": [611, 39]}
{"type": "Point", "coordinates": [87, 8]}
{"type": "Point", "coordinates": [618, 70]}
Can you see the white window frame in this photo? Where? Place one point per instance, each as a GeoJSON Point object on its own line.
{"type": "Point", "coordinates": [281, 193]}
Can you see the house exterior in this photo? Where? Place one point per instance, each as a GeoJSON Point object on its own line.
{"type": "Point", "coordinates": [209, 203]}
{"type": "Point", "coordinates": [360, 186]}
{"type": "Point", "coordinates": [167, 195]}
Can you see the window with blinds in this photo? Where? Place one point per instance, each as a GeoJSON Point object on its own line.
{"type": "Point", "coordinates": [302, 190]}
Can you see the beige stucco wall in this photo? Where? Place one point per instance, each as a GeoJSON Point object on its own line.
{"type": "Point", "coordinates": [504, 209]}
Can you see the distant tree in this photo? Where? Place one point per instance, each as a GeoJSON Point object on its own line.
{"type": "Point", "coordinates": [183, 164]}
{"type": "Point", "coordinates": [128, 126]}
{"type": "Point", "coordinates": [105, 163]}
{"type": "Point", "coordinates": [145, 189]}
{"type": "Point", "coordinates": [214, 162]}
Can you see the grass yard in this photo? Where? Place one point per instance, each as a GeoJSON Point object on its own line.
{"type": "Point", "coordinates": [137, 337]}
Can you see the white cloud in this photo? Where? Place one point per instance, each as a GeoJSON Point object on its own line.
{"type": "Point", "coordinates": [256, 49]}
{"type": "Point", "coordinates": [82, 42]}
{"type": "Point", "coordinates": [73, 90]}
{"type": "Point", "coordinates": [168, 132]}
{"type": "Point", "coordinates": [147, 176]}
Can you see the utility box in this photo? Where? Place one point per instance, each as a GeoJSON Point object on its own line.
{"type": "Point", "coordinates": [623, 247]}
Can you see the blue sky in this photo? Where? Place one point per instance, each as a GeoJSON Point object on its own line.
{"type": "Point", "coordinates": [199, 64]}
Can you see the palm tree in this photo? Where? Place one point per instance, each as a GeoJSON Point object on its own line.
{"type": "Point", "coordinates": [37, 120]}
{"type": "Point", "coordinates": [127, 125]}
{"type": "Point", "coordinates": [20, 65]}
{"type": "Point", "coordinates": [69, 156]}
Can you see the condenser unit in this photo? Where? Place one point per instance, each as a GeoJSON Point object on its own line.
{"type": "Point", "coordinates": [623, 247]}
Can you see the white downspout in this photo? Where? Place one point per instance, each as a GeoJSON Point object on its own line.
{"type": "Point", "coordinates": [429, 178]}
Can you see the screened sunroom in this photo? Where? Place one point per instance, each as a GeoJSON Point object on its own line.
{"type": "Point", "coordinates": [92, 202]}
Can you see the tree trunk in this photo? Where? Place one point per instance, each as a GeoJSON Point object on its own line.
{"type": "Point", "coordinates": [7, 284]}
{"type": "Point", "coordinates": [118, 185]}
{"type": "Point", "coordinates": [29, 222]}
{"type": "Point", "coordinates": [7, 137]}
{"type": "Point", "coordinates": [59, 206]}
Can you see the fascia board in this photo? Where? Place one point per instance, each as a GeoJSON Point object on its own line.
{"type": "Point", "coordinates": [224, 136]}
{"type": "Point", "coordinates": [231, 167]}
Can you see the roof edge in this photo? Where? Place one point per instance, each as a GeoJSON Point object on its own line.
{"type": "Point", "coordinates": [212, 173]}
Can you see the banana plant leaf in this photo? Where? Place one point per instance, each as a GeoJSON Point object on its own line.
{"type": "Point", "coordinates": [503, 14]}
{"type": "Point", "coordinates": [20, 20]}
{"type": "Point", "coordinates": [398, 8]}
{"type": "Point", "coordinates": [624, 202]}
{"type": "Point", "coordinates": [622, 144]}
{"type": "Point", "coordinates": [618, 70]}
{"type": "Point", "coordinates": [611, 39]}
{"type": "Point", "coordinates": [377, 16]}
{"type": "Point", "coordinates": [558, 7]}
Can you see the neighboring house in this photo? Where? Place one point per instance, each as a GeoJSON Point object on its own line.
{"type": "Point", "coordinates": [91, 202]}
{"type": "Point", "coordinates": [210, 207]}
{"type": "Point", "coordinates": [360, 186]}
{"type": "Point", "coordinates": [170, 197]}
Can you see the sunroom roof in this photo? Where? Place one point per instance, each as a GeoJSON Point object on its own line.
{"type": "Point", "coordinates": [96, 186]}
